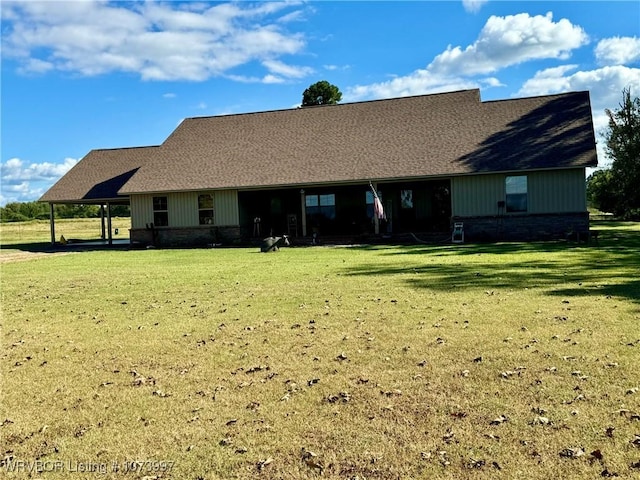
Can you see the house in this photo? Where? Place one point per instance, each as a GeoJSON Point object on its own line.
{"type": "Point", "coordinates": [508, 170]}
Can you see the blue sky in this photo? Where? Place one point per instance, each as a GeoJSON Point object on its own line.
{"type": "Point", "coordinates": [84, 74]}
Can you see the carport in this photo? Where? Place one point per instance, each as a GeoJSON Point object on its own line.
{"type": "Point", "coordinates": [97, 180]}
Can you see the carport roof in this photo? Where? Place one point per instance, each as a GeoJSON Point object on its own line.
{"type": "Point", "coordinates": [99, 175]}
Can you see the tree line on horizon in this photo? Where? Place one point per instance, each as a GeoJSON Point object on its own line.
{"type": "Point", "coordinates": [28, 211]}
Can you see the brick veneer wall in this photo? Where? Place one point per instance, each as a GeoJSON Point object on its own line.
{"type": "Point", "coordinates": [524, 227]}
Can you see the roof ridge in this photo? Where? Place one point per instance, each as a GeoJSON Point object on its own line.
{"type": "Point", "coordinates": [346, 104]}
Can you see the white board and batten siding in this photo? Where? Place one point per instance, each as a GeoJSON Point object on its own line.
{"type": "Point", "coordinates": [182, 209]}
{"type": "Point", "coordinates": [553, 191]}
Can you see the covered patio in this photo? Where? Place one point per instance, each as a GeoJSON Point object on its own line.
{"type": "Point", "coordinates": [109, 170]}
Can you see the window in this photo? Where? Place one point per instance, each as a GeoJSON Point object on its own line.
{"type": "Point", "coordinates": [323, 205]}
{"type": "Point", "coordinates": [516, 193]}
{"type": "Point", "coordinates": [205, 209]}
{"type": "Point", "coordinates": [160, 212]}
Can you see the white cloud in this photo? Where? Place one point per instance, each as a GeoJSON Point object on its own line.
{"type": "Point", "coordinates": [503, 42]}
{"type": "Point", "coordinates": [290, 71]}
{"type": "Point", "coordinates": [473, 6]}
{"type": "Point", "coordinates": [417, 83]}
{"type": "Point", "coordinates": [618, 50]}
{"type": "Point", "coordinates": [22, 181]}
{"type": "Point", "coordinates": [15, 171]}
{"type": "Point", "coordinates": [158, 41]}
{"type": "Point", "coordinates": [511, 40]}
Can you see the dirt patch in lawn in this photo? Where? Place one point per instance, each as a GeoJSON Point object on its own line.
{"type": "Point", "coordinates": [21, 256]}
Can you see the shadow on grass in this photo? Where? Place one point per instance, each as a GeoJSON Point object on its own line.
{"type": "Point", "coordinates": [610, 267]}
{"type": "Point", "coordinates": [47, 247]}
{"type": "Point", "coordinates": [38, 247]}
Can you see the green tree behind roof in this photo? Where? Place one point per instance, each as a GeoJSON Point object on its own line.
{"type": "Point", "coordinates": [321, 93]}
{"type": "Point", "coordinates": [623, 146]}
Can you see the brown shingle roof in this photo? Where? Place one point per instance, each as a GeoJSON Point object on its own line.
{"type": "Point", "coordinates": [99, 175]}
{"type": "Point", "coordinates": [402, 138]}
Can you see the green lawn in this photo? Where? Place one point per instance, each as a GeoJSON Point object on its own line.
{"type": "Point", "coordinates": [466, 361]}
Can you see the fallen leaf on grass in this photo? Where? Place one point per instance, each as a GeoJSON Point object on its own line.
{"type": "Point", "coordinates": [311, 460]}
{"type": "Point", "coordinates": [262, 464]}
{"type": "Point", "coordinates": [448, 437]}
{"type": "Point", "coordinates": [257, 368]}
{"type": "Point", "coordinates": [573, 452]}
{"type": "Point", "coordinates": [499, 420]}
{"type": "Point", "coordinates": [539, 420]}
{"type": "Point", "coordinates": [607, 473]}
{"type": "Point", "coordinates": [161, 394]}
{"type": "Point", "coordinates": [473, 463]}
{"type": "Point", "coordinates": [391, 393]}
{"type": "Point", "coordinates": [636, 441]}
{"type": "Point", "coordinates": [459, 414]}
{"type": "Point", "coordinates": [342, 396]}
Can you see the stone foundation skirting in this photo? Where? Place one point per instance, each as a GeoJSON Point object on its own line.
{"type": "Point", "coordinates": [200, 236]}
{"type": "Point", "coordinates": [524, 227]}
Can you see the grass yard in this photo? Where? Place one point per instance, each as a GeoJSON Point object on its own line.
{"type": "Point", "coordinates": [399, 362]}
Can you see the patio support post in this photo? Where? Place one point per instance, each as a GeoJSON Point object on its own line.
{"type": "Point", "coordinates": [109, 223]}
{"type": "Point", "coordinates": [303, 208]}
{"type": "Point", "coordinates": [103, 236]}
{"type": "Point", "coordinates": [52, 224]}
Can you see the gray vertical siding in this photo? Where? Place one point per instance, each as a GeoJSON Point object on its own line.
{"type": "Point", "coordinates": [557, 191]}
{"type": "Point", "coordinates": [225, 204]}
{"type": "Point", "coordinates": [476, 195]}
{"type": "Point", "coordinates": [183, 209]}
{"type": "Point", "coordinates": [141, 210]}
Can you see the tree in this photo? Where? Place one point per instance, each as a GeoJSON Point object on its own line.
{"type": "Point", "coordinates": [600, 191]}
{"type": "Point", "coordinates": [321, 93]}
{"type": "Point", "coordinates": [623, 146]}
